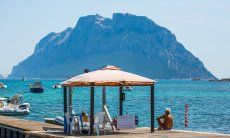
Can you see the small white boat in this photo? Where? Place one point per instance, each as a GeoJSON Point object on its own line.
{"type": "Point", "coordinates": [58, 120]}
{"type": "Point", "coordinates": [14, 106]}
{"type": "Point", "coordinates": [56, 86]}
{"type": "Point", "coordinates": [128, 88]}
{"type": "Point", "coordinates": [2, 86]}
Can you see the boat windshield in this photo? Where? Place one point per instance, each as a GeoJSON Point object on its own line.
{"type": "Point", "coordinates": [37, 85]}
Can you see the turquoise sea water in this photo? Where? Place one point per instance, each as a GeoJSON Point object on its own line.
{"type": "Point", "coordinates": [209, 102]}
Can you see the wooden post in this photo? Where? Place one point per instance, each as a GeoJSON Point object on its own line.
{"type": "Point", "coordinates": [65, 99]}
{"type": "Point", "coordinates": [103, 97]}
{"type": "Point", "coordinates": [91, 109]}
{"type": "Point", "coordinates": [70, 100]}
{"type": "Point", "coordinates": [65, 107]}
{"type": "Point", "coordinates": [152, 108]}
{"type": "Point", "coordinates": [120, 100]}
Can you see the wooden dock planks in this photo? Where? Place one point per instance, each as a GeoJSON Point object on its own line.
{"type": "Point", "coordinates": [11, 127]}
{"type": "Point", "coordinates": [24, 125]}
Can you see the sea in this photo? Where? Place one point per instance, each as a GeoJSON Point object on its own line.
{"type": "Point", "coordinates": [208, 102]}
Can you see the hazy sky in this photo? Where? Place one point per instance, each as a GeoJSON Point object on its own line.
{"type": "Point", "coordinates": [202, 26]}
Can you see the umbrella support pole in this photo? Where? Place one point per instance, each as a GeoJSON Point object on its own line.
{"type": "Point", "coordinates": [152, 107]}
{"type": "Point", "coordinates": [103, 97]}
{"type": "Point", "coordinates": [120, 100]}
{"type": "Point", "coordinates": [91, 110]}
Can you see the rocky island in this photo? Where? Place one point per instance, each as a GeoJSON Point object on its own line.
{"type": "Point", "coordinates": [225, 79]}
{"type": "Point", "coordinates": [133, 43]}
{"type": "Point", "coordinates": [2, 77]}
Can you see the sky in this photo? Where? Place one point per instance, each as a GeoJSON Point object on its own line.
{"type": "Point", "coordinates": [202, 26]}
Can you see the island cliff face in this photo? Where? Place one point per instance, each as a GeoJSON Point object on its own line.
{"type": "Point", "coordinates": [134, 43]}
{"type": "Point", "coordinates": [2, 77]}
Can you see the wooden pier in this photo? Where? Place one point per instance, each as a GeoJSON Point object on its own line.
{"type": "Point", "coordinates": [19, 128]}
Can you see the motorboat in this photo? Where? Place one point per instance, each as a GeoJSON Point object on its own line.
{"type": "Point", "coordinates": [3, 86]}
{"type": "Point", "coordinates": [24, 79]}
{"type": "Point", "coordinates": [196, 79]}
{"type": "Point", "coordinates": [56, 86]}
{"type": "Point", "coordinates": [58, 120]}
{"type": "Point", "coordinates": [128, 88]}
{"type": "Point", "coordinates": [36, 87]}
{"type": "Point", "coordinates": [14, 106]}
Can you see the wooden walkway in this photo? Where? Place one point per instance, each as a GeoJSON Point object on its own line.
{"type": "Point", "coordinates": [20, 128]}
{"type": "Point", "coordinates": [145, 133]}
{"type": "Point", "coordinates": [10, 127]}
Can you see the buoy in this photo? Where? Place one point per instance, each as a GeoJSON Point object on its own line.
{"type": "Point", "coordinates": [186, 115]}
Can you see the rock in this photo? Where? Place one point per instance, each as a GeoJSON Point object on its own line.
{"type": "Point", "coordinates": [2, 77]}
{"type": "Point", "coordinates": [134, 43]}
{"type": "Point", "coordinates": [225, 79]}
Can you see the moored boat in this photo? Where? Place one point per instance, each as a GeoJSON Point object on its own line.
{"type": "Point", "coordinates": [196, 79]}
{"type": "Point", "coordinates": [36, 87]}
{"type": "Point", "coordinates": [58, 120]}
{"type": "Point", "coordinates": [24, 79]}
{"type": "Point", "coordinates": [14, 106]}
{"type": "Point", "coordinates": [56, 86]}
{"type": "Point", "coordinates": [128, 88]}
{"type": "Point", "coordinates": [3, 86]}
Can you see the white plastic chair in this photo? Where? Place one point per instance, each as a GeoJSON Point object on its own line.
{"type": "Point", "coordinates": [76, 124]}
{"type": "Point", "coordinates": [99, 122]}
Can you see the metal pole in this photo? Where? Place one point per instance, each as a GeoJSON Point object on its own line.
{"type": "Point", "coordinates": [120, 100]}
{"type": "Point", "coordinates": [65, 99]}
{"type": "Point", "coordinates": [91, 110]}
{"type": "Point", "coordinates": [65, 107]}
{"type": "Point", "coordinates": [70, 100]}
{"type": "Point", "coordinates": [152, 108]}
{"type": "Point", "coordinates": [103, 97]}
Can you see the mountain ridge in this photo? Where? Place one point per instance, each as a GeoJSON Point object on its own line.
{"type": "Point", "coordinates": [97, 41]}
{"type": "Point", "coordinates": [2, 77]}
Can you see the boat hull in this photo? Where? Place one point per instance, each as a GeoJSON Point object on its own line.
{"type": "Point", "coordinates": [14, 113]}
{"type": "Point", "coordinates": [37, 90]}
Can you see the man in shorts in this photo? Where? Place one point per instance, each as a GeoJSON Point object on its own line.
{"type": "Point", "coordinates": [165, 121]}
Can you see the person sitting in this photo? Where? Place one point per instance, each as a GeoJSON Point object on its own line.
{"type": "Point", "coordinates": [165, 121]}
{"type": "Point", "coordinates": [85, 117]}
